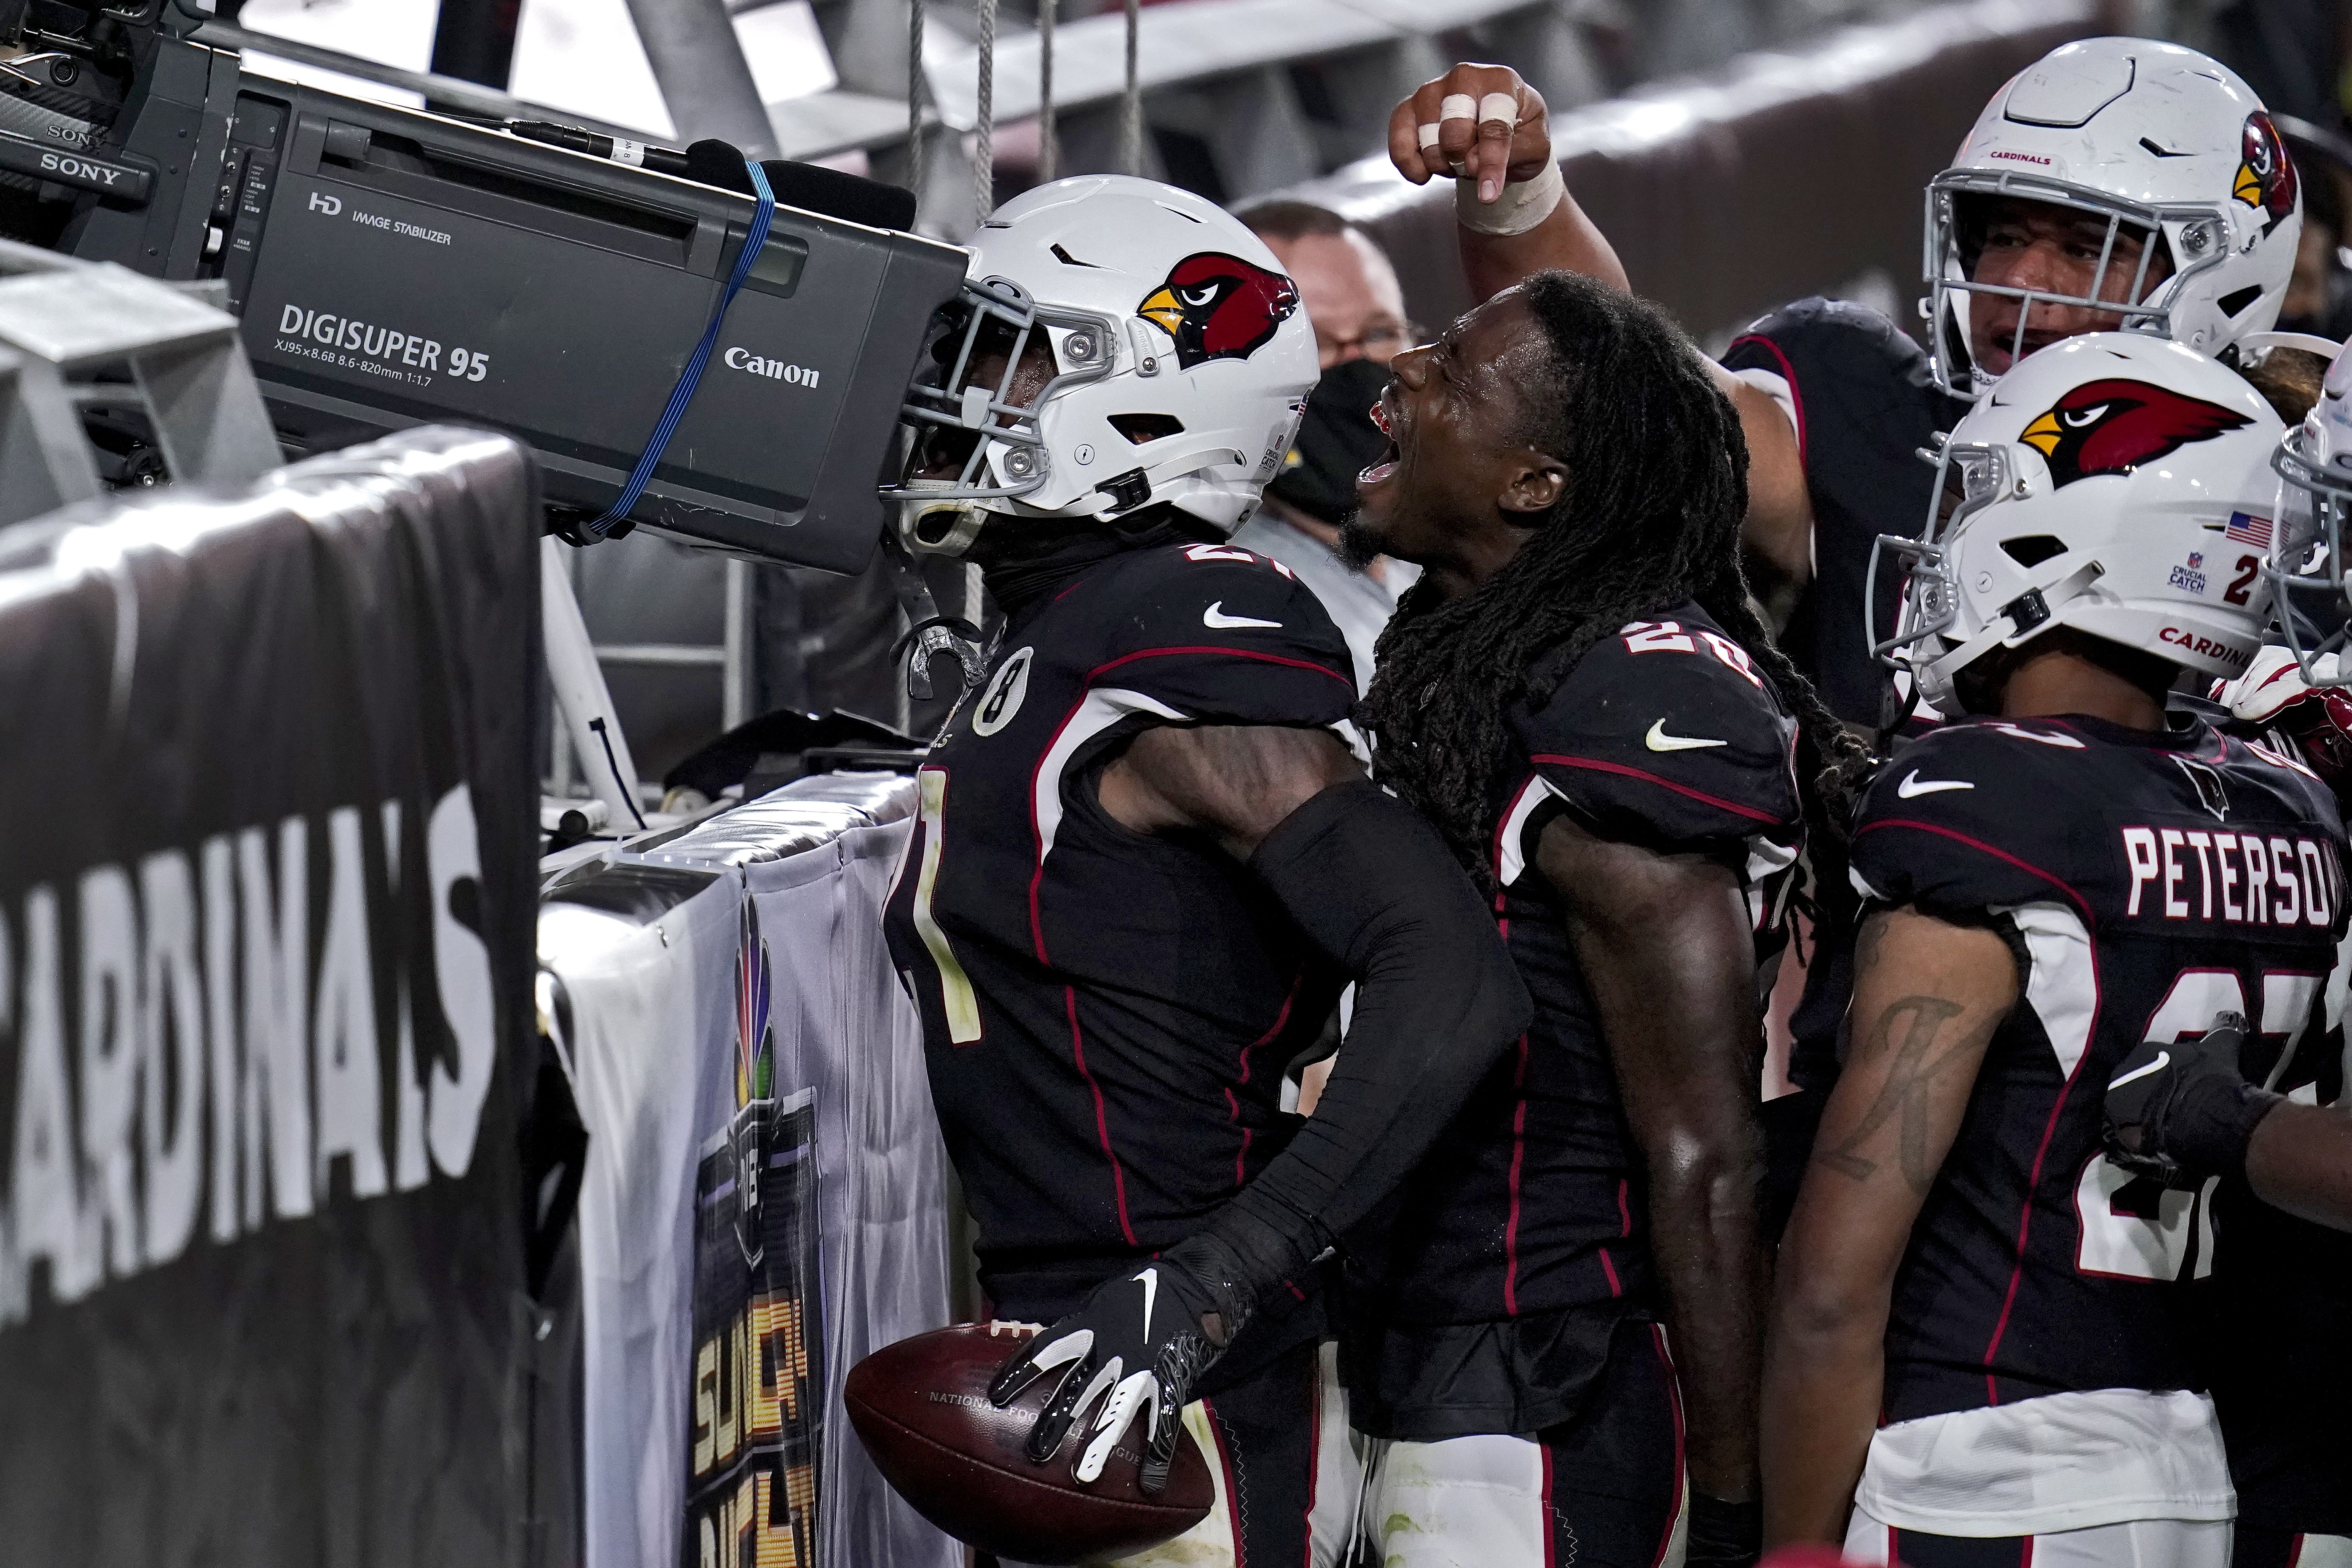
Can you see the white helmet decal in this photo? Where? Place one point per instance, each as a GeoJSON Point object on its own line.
{"type": "Point", "coordinates": [2172, 149]}
{"type": "Point", "coordinates": [2115, 483]}
{"type": "Point", "coordinates": [1180, 365]}
{"type": "Point", "coordinates": [1219, 307]}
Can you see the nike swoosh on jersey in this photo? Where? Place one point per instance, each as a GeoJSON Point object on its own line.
{"type": "Point", "coordinates": [1216, 620]}
{"type": "Point", "coordinates": [1657, 739]}
{"type": "Point", "coordinates": [2163, 1060]}
{"type": "Point", "coordinates": [1913, 784]}
{"type": "Point", "coordinates": [1150, 1278]}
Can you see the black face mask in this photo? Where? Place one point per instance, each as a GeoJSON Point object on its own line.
{"type": "Point", "coordinates": [1336, 440]}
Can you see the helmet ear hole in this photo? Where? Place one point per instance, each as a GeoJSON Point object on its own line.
{"type": "Point", "coordinates": [2033, 549]}
{"type": "Point", "coordinates": [1140, 428]}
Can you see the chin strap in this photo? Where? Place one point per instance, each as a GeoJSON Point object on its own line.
{"type": "Point", "coordinates": [2255, 343]}
{"type": "Point", "coordinates": [2029, 612]}
{"type": "Point", "coordinates": [929, 633]}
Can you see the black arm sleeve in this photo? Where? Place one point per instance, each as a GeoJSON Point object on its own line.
{"type": "Point", "coordinates": [1438, 1000]}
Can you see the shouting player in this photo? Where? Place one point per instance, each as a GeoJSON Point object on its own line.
{"type": "Point", "coordinates": [1148, 857]}
{"type": "Point", "coordinates": [1578, 693]}
{"type": "Point", "coordinates": [2116, 183]}
{"type": "Point", "coordinates": [2112, 171]}
{"type": "Point", "coordinates": [1978, 1354]}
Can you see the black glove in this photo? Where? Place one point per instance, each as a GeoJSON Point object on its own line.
{"type": "Point", "coordinates": [2179, 1113]}
{"type": "Point", "coordinates": [1138, 1345]}
{"type": "Point", "coordinates": [1723, 1534]}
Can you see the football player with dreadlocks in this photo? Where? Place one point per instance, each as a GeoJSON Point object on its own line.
{"type": "Point", "coordinates": [2112, 172]}
{"type": "Point", "coordinates": [2115, 182]}
{"type": "Point", "coordinates": [1578, 693]}
{"type": "Point", "coordinates": [1983, 1352]}
{"type": "Point", "coordinates": [1147, 859]}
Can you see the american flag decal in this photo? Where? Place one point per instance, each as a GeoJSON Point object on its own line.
{"type": "Point", "coordinates": [2248, 530]}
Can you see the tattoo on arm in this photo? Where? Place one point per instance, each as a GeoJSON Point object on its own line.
{"type": "Point", "coordinates": [1868, 947]}
{"type": "Point", "coordinates": [1914, 1030]}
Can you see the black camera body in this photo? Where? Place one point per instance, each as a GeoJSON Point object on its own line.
{"type": "Point", "coordinates": [393, 267]}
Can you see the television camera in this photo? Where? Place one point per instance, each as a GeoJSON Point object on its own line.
{"type": "Point", "coordinates": [393, 267]}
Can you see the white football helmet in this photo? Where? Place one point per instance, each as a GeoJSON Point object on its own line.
{"type": "Point", "coordinates": [2115, 483]}
{"type": "Point", "coordinates": [2145, 135]}
{"type": "Point", "coordinates": [2315, 468]}
{"type": "Point", "coordinates": [1180, 362]}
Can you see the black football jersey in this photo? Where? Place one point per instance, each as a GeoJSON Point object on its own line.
{"type": "Point", "coordinates": [1107, 1015]}
{"type": "Point", "coordinates": [2146, 882]}
{"type": "Point", "coordinates": [1520, 1241]}
{"type": "Point", "coordinates": [2275, 1317]}
{"type": "Point", "coordinates": [1865, 404]}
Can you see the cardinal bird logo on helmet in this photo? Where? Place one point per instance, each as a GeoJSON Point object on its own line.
{"type": "Point", "coordinates": [2265, 173]}
{"type": "Point", "coordinates": [1219, 307]}
{"type": "Point", "coordinates": [2114, 425]}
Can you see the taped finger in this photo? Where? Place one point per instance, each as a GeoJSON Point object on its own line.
{"type": "Point", "coordinates": [1458, 105]}
{"type": "Point", "coordinates": [1502, 106]}
{"type": "Point", "coordinates": [1426, 135]}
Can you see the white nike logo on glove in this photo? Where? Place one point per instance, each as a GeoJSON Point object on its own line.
{"type": "Point", "coordinates": [1216, 620]}
{"type": "Point", "coordinates": [2163, 1060]}
{"type": "Point", "coordinates": [1657, 739]}
{"type": "Point", "coordinates": [1914, 784]}
{"type": "Point", "coordinates": [1150, 1278]}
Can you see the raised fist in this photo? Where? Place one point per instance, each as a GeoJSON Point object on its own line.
{"type": "Point", "coordinates": [1455, 126]}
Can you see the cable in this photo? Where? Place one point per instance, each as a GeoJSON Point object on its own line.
{"type": "Point", "coordinates": [612, 766]}
{"type": "Point", "coordinates": [690, 378]}
{"type": "Point", "coordinates": [1130, 109]}
{"type": "Point", "coordinates": [1049, 151]}
{"type": "Point", "coordinates": [915, 84]}
{"type": "Point", "coordinates": [984, 162]}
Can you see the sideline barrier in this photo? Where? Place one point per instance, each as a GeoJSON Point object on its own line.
{"type": "Point", "coordinates": [728, 1005]}
{"type": "Point", "coordinates": [1786, 173]}
{"type": "Point", "coordinates": [266, 894]}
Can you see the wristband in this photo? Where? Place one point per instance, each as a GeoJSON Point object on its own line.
{"type": "Point", "coordinates": [1522, 205]}
{"type": "Point", "coordinates": [1723, 1534]}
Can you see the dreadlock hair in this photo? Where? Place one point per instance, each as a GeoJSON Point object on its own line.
{"type": "Point", "coordinates": [1657, 485]}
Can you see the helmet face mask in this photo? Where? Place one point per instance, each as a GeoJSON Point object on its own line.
{"type": "Point", "coordinates": [1119, 343]}
{"type": "Point", "coordinates": [2145, 303]}
{"type": "Point", "coordinates": [2160, 144]}
{"type": "Point", "coordinates": [2306, 571]}
{"type": "Point", "coordinates": [2116, 484]}
{"type": "Point", "coordinates": [984, 426]}
{"type": "Point", "coordinates": [1969, 477]}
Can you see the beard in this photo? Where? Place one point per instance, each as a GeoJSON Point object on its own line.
{"type": "Point", "coordinates": [1359, 545]}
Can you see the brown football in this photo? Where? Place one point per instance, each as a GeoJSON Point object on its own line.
{"type": "Point", "coordinates": [921, 1407]}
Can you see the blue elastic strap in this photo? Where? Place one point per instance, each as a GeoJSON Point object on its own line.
{"type": "Point", "coordinates": [691, 376]}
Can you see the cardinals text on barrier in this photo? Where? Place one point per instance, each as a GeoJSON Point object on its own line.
{"type": "Point", "coordinates": [195, 1043]}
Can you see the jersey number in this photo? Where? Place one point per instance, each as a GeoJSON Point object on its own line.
{"type": "Point", "coordinates": [2133, 1229]}
{"type": "Point", "coordinates": [955, 987]}
{"type": "Point", "coordinates": [1668, 636]}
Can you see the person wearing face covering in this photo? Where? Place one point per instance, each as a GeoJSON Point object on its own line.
{"type": "Point", "coordinates": [1354, 300]}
